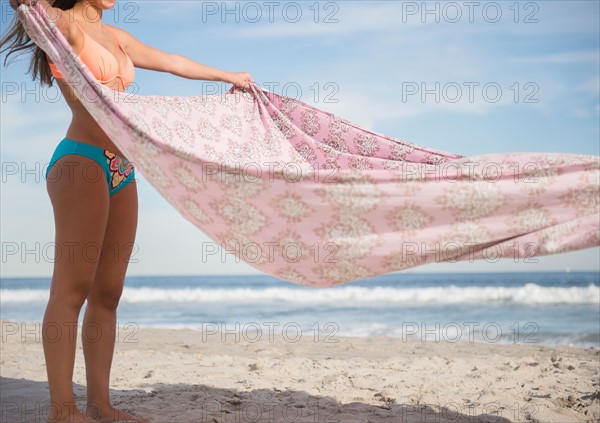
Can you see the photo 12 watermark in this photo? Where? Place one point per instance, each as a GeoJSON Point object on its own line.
{"type": "Point", "coordinates": [452, 12]}
{"type": "Point", "coordinates": [469, 91]}
{"type": "Point", "coordinates": [54, 332]}
{"type": "Point", "coordinates": [42, 412]}
{"type": "Point", "coordinates": [123, 12]}
{"type": "Point", "coordinates": [271, 332]}
{"type": "Point", "coordinates": [69, 252]}
{"type": "Point", "coordinates": [270, 251]}
{"type": "Point", "coordinates": [254, 12]}
{"type": "Point", "coordinates": [470, 332]}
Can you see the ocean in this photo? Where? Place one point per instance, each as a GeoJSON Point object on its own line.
{"type": "Point", "coordinates": [506, 308]}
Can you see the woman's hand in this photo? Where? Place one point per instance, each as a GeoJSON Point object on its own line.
{"type": "Point", "coordinates": [239, 79]}
{"type": "Point", "coordinates": [15, 3]}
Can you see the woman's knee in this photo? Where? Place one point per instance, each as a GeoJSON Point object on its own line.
{"type": "Point", "coordinates": [105, 295]}
{"type": "Point", "coordinates": [70, 292]}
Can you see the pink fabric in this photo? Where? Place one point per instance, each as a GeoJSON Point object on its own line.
{"type": "Point", "coordinates": [318, 201]}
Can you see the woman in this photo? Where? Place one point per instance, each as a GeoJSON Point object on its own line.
{"type": "Point", "coordinates": [94, 197]}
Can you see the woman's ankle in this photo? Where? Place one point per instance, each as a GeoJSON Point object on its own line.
{"type": "Point", "coordinates": [63, 411]}
{"type": "Point", "coordinates": [95, 408]}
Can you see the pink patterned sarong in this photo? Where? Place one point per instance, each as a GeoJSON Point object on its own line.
{"type": "Point", "coordinates": [311, 198]}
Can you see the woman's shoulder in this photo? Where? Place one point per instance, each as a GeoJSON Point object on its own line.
{"type": "Point", "coordinates": [123, 36]}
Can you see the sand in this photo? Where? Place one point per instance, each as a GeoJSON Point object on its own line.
{"type": "Point", "coordinates": [171, 375]}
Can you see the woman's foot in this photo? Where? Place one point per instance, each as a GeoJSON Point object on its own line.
{"type": "Point", "coordinates": [74, 418]}
{"type": "Point", "coordinates": [111, 414]}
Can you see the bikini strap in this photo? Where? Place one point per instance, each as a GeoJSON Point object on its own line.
{"type": "Point", "coordinates": [84, 36]}
{"type": "Point", "coordinates": [80, 28]}
{"type": "Point", "coordinates": [114, 36]}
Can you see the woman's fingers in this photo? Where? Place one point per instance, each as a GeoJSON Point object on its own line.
{"type": "Point", "coordinates": [244, 82]}
{"type": "Point", "coordinates": [241, 80]}
{"type": "Point", "coordinates": [244, 77]}
{"type": "Point", "coordinates": [15, 3]}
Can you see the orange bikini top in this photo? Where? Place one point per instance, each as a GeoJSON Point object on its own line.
{"type": "Point", "coordinates": [101, 62]}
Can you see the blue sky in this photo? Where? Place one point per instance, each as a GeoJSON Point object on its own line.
{"type": "Point", "coordinates": [357, 59]}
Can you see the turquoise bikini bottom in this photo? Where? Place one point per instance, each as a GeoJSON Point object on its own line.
{"type": "Point", "coordinates": [118, 170]}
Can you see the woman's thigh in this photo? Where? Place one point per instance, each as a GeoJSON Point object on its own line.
{"type": "Point", "coordinates": [117, 248]}
{"type": "Point", "coordinates": [79, 195]}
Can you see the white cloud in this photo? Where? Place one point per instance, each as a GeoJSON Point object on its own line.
{"type": "Point", "coordinates": [590, 85]}
{"type": "Point", "coordinates": [566, 58]}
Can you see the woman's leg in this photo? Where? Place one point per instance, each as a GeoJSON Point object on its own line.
{"type": "Point", "coordinates": [101, 308]}
{"type": "Point", "coordinates": [79, 196]}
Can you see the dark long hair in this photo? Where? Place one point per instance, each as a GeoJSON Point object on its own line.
{"type": "Point", "coordinates": [16, 40]}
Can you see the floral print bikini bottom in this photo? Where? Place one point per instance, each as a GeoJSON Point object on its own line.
{"type": "Point", "coordinates": [118, 170]}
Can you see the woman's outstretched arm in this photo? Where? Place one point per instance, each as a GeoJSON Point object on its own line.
{"type": "Point", "coordinates": [146, 57]}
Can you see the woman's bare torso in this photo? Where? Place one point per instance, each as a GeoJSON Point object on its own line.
{"type": "Point", "coordinates": [83, 127]}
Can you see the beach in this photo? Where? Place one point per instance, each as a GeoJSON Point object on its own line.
{"type": "Point", "coordinates": [184, 375]}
